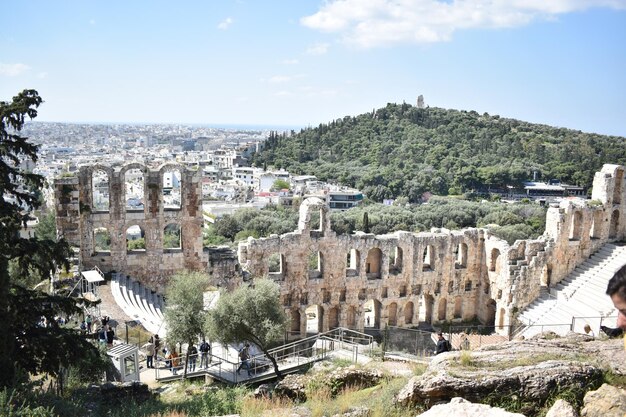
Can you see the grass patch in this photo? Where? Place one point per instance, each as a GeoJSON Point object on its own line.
{"type": "Point", "coordinates": [378, 399]}
{"type": "Point", "coordinates": [614, 379]}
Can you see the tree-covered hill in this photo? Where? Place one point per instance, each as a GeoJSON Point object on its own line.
{"type": "Point", "coordinates": [401, 150]}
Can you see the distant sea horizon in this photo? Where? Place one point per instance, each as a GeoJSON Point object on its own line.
{"type": "Point", "coordinates": [228, 126]}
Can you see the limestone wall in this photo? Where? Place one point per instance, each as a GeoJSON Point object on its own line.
{"type": "Point", "coordinates": [442, 276]}
{"type": "Point", "coordinates": [358, 281]}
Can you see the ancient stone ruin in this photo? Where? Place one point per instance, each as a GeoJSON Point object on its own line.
{"type": "Point", "coordinates": [328, 280]}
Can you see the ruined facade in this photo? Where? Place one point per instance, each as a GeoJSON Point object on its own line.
{"type": "Point", "coordinates": [356, 281]}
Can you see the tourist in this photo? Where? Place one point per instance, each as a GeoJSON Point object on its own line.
{"type": "Point", "coordinates": [205, 354]}
{"type": "Point", "coordinates": [443, 345]}
{"type": "Point", "coordinates": [150, 350]}
{"type": "Point", "coordinates": [616, 289]}
{"type": "Point", "coordinates": [110, 335]}
{"type": "Point", "coordinates": [88, 321]}
{"type": "Point", "coordinates": [193, 356]}
{"type": "Point", "coordinates": [244, 356]}
{"type": "Point", "coordinates": [174, 361]}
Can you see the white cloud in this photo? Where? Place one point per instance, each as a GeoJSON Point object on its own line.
{"type": "Point", "coordinates": [225, 24]}
{"type": "Point", "coordinates": [92, 22]}
{"type": "Point", "coordinates": [318, 49]}
{"type": "Point", "coordinates": [283, 93]}
{"type": "Point", "coordinates": [383, 22]}
{"type": "Point", "coordinates": [42, 75]}
{"type": "Point", "coordinates": [290, 61]}
{"type": "Point", "coordinates": [284, 78]}
{"type": "Point", "coordinates": [13, 70]}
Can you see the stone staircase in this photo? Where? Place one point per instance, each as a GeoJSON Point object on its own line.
{"type": "Point", "coordinates": [579, 299]}
{"type": "Point", "coordinates": [139, 302]}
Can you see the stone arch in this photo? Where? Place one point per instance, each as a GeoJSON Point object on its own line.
{"type": "Point", "coordinates": [619, 183]}
{"type": "Point", "coordinates": [595, 232]}
{"type": "Point", "coordinates": [576, 229]}
{"type": "Point", "coordinates": [614, 228]}
{"type": "Point", "coordinates": [395, 260]}
{"type": "Point", "coordinates": [546, 276]}
{"type": "Point", "coordinates": [501, 319]}
{"type": "Point", "coordinates": [373, 263]}
{"type": "Point", "coordinates": [101, 239]}
{"type": "Point", "coordinates": [333, 317]}
{"type": "Point", "coordinates": [314, 318]}
{"type": "Point", "coordinates": [461, 256]}
{"type": "Point", "coordinates": [171, 186]}
{"type": "Point", "coordinates": [295, 321]}
{"type": "Point", "coordinates": [441, 309]}
{"type": "Point", "coordinates": [392, 314]}
{"type": "Point", "coordinates": [172, 236]}
{"type": "Point", "coordinates": [493, 260]}
{"type": "Point", "coordinates": [408, 313]}
{"type": "Point", "coordinates": [353, 260]}
{"type": "Point", "coordinates": [134, 179]}
{"type": "Point", "coordinates": [351, 317]}
{"type": "Point", "coordinates": [307, 207]}
{"type": "Point", "coordinates": [135, 238]}
{"type": "Point", "coordinates": [371, 314]}
{"type": "Point", "coordinates": [458, 307]}
{"type": "Point", "coordinates": [429, 304]}
{"type": "Point", "coordinates": [315, 265]}
{"type": "Point", "coordinates": [428, 258]}
{"type": "Point", "coordinates": [100, 189]}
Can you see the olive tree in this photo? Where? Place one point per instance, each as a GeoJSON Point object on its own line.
{"type": "Point", "coordinates": [185, 314]}
{"type": "Point", "coordinates": [250, 313]}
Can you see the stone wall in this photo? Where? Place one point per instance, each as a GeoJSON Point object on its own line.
{"type": "Point", "coordinates": [360, 280]}
{"type": "Point", "coordinates": [433, 277]}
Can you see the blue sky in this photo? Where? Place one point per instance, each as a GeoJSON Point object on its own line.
{"type": "Point", "coordinates": [303, 62]}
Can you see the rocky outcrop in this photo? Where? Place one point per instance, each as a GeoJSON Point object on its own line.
{"type": "Point", "coordinates": [607, 401]}
{"type": "Point", "coordinates": [294, 386]}
{"type": "Point", "coordinates": [530, 371]}
{"type": "Point", "coordinates": [561, 408]}
{"type": "Point", "coordinates": [461, 407]}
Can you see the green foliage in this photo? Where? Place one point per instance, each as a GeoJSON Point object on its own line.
{"type": "Point", "coordinates": [46, 229]}
{"type": "Point", "coordinates": [252, 222]}
{"type": "Point", "coordinates": [25, 346]}
{"type": "Point", "coordinates": [135, 244]}
{"type": "Point", "coordinates": [280, 185]}
{"type": "Point", "coordinates": [12, 405]}
{"type": "Point", "coordinates": [401, 150]}
{"type": "Point", "coordinates": [250, 313]}
{"type": "Point", "coordinates": [185, 315]}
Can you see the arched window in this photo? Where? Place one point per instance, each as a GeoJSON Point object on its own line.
{"type": "Point", "coordinates": [352, 263]}
{"type": "Point", "coordinates": [429, 258]}
{"type": "Point", "coordinates": [101, 239]}
{"type": "Point", "coordinates": [171, 189]}
{"type": "Point", "coordinates": [135, 239]}
{"type": "Point", "coordinates": [373, 263]}
{"type": "Point", "coordinates": [171, 237]}
{"type": "Point", "coordinates": [100, 190]}
{"type": "Point", "coordinates": [134, 189]}
{"type": "Point", "coordinates": [395, 261]}
{"type": "Point", "coordinates": [461, 256]}
{"type": "Point", "coordinates": [315, 265]}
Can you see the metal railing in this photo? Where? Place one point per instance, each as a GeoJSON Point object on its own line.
{"type": "Point", "coordinates": [290, 356]}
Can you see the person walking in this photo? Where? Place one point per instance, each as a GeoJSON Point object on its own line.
{"type": "Point", "coordinates": [244, 356]}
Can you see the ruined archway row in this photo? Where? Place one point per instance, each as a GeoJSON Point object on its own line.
{"type": "Point", "coordinates": [487, 278]}
{"type": "Point", "coordinates": [145, 222]}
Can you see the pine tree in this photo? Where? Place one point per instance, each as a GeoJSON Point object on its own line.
{"type": "Point", "coordinates": [26, 345]}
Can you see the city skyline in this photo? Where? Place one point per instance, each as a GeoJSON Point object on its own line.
{"type": "Point", "coordinates": [303, 63]}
